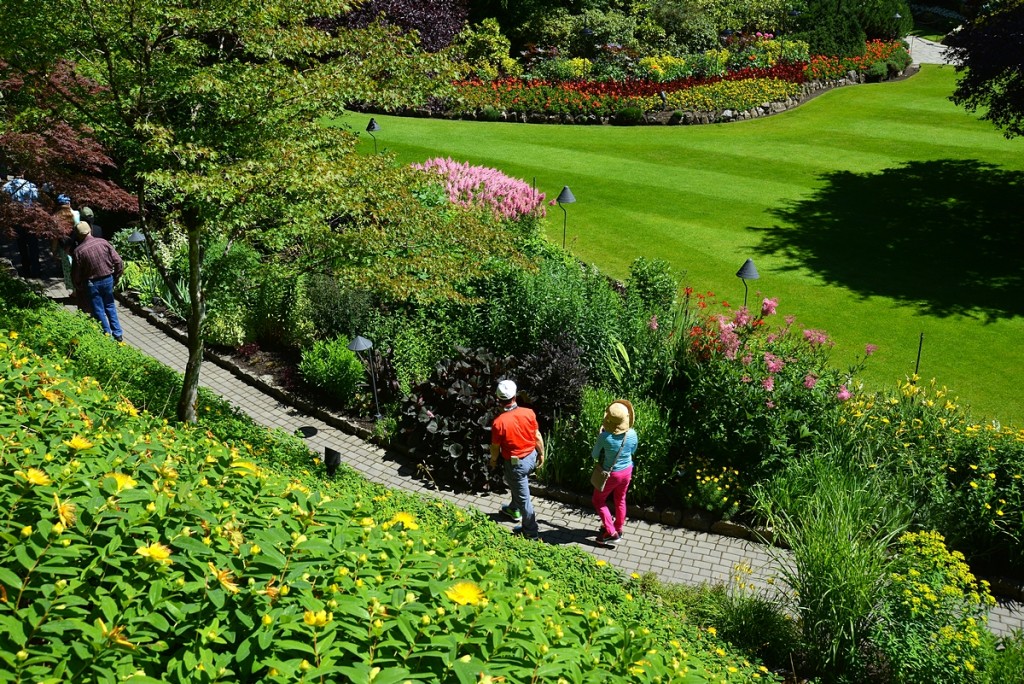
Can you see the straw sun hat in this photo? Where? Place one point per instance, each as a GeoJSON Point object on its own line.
{"type": "Point", "coordinates": [618, 417]}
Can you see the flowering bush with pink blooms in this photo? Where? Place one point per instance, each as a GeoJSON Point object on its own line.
{"type": "Point", "coordinates": [507, 198]}
{"type": "Point", "coordinates": [751, 391]}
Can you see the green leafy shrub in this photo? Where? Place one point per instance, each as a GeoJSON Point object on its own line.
{"type": "Point", "coordinates": [749, 395]}
{"type": "Point", "coordinates": [568, 463]}
{"type": "Point", "coordinates": [484, 50]}
{"type": "Point", "coordinates": [332, 367]}
{"type": "Point", "coordinates": [840, 525]}
{"type": "Point", "coordinates": [653, 285]}
{"type": "Point", "coordinates": [629, 116]}
{"type": "Point", "coordinates": [930, 625]}
{"type": "Point", "coordinates": [490, 113]}
{"type": "Point", "coordinates": [336, 311]}
{"type": "Point", "coordinates": [965, 479]}
{"type": "Point", "coordinates": [1007, 665]}
{"type": "Point", "coordinates": [522, 308]}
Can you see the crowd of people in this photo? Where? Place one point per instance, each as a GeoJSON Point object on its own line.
{"type": "Point", "coordinates": [89, 264]}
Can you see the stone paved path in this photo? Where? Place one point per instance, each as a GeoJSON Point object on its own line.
{"type": "Point", "coordinates": [924, 51]}
{"type": "Point", "coordinates": [676, 555]}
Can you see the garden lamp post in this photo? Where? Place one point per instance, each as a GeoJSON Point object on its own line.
{"type": "Point", "coordinates": [135, 238]}
{"type": "Point", "coordinates": [747, 272]}
{"type": "Point", "coordinates": [565, 197]}
{"type": "Point", "coordinates": [361, 344]}
{"type": "Point", "coordinates": [372, 128]}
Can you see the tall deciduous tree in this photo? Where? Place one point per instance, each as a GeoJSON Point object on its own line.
{"type": "Point", "coordinates": [989, 53]}
{"type": "Point", "coordinates": [213, 110]}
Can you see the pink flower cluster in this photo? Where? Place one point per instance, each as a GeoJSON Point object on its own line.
{"type": "Point", "coordinates": [816, 338]}
{"type": "Point", "coordinates": [467, 185]}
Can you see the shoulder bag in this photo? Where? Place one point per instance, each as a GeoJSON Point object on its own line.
{"type": "Point", "coordinates": [599, 476]}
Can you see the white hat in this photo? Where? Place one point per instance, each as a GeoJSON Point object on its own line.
{"type": "Point", "coordinates": [506, 390]}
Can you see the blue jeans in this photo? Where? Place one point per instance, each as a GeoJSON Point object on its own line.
{"type": "Point", "coordinates": [517, 477]}
{"type": "Point", "coordinates": [104, 308]}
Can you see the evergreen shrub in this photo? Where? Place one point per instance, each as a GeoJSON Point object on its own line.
{"type": "Point", "coordinates": [333, 368]}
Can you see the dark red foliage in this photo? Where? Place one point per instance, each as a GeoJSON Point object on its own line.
{"type": "Point", "coordinates": [436, 21]}
{"type": "Point", "coordinates": [58, 157]}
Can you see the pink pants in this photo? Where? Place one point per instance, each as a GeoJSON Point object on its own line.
{"type": "Point", "coordinates": [618, 483]}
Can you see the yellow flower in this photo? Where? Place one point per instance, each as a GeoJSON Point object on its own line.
{"type": "Point", "coordinates": [65, 511]}
{"type": "Point", "coordinates": [78, 443]}
{"type": "Point", "coordinates": [155, 552]}
{"type": "Point", "coordinates": [125, 406]}
{"type": "Point", "coordinates": [465, 593]}
{"type": "Point", "coordinates": [123, 481]}
{"type": "Point", "coordinates": [712, 631]}
{"type": "Point", "coordinates": [317, 618]}
{"type": "Point", "coordinates": [225, 579]}
{"type": "Point", "coordinates": [115, 635]}
{"type": "Point", "coordinates": [13, 335]}
{"type": "Point", "coordinates": [601, 563]}
{"type": "Point", "coordinates": [34, 476]}
{"type": "Point", "coordinates": [407, 519]}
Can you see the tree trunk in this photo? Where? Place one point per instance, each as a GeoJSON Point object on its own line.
{"type": "Point", "coordinates": [187, 403]}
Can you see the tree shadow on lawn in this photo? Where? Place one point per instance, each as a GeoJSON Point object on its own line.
{"type": "Point", "coordinates": [943, 236]}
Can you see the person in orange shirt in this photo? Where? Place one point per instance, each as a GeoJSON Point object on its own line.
{"type": "Point", "coordinates": [516, 438]}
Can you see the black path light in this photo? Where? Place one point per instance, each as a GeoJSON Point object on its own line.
{"type": "Point", "coordinates": [747, 272]}
{"type": "Point", "coordinates": [372, 128]}
{"type": "Point", "coordinates": [332, 459]}
{"type": "Point", "coordinates": [565, 197]}
{"type": "Point", "coordinates": [361, 344]}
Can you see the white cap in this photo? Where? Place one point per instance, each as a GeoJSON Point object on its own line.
{"type": "Point", "coordinates": [506, 390]}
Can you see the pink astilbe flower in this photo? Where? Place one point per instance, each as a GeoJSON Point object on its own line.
{"type": "Point", "coordinates": [769, 404]}
{"type": "Point", "coordinates": [747, 360]}
{"type": "Point", "coordinates": [479, 186]}
{"type": "Point", "coordinates": [843, 394]}
{"type": "Point", "coordinates": [768, 383]}
{"type": "Point", "coordinates": [816, 338]}
{"type": "Point", "coordinates": [790, 319]}
{"type": "Point", "coordinates": [653, 323]}
{"type": "Point", "coordinates": [810, 380]}
{"type": "Point", "coordinates": [870, 349]}
{"type": "Point", "coordinates": [728, 338]}
{"type": "Point", "coordinates": [742, 317]}
{"type": "Point", "coordinates": [774, 363]}
{"type": "Point", "coordinates": [746, 378]}
{"type": "Point", "coordinates": [768, 306]}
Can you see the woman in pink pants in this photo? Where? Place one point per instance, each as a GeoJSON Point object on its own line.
{"type": "Point", "coordinates": [614, 450]}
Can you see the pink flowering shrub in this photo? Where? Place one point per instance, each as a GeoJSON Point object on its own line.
{"type": "Point", "coordinates": [752, 390]}
{"type": "Point", "coordinates": [510, 199]}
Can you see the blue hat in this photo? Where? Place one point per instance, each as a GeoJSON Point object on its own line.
{"type": "Point", "coordinates": [63, 199]}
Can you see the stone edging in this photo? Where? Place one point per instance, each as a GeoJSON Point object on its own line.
{"type": "Point", "coordinates": [809, 90]}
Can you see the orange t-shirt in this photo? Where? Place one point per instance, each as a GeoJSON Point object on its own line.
{"type": "Point", "coordinates": [515, 432]}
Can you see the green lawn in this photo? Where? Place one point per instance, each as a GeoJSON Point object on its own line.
{"type": "Point", "coordinates": [876, 212]}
